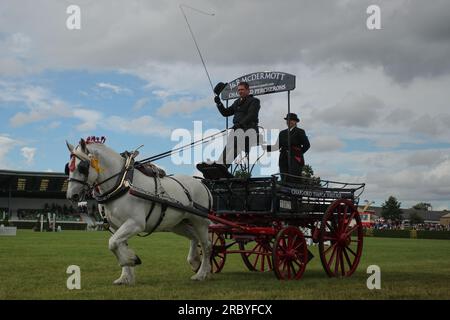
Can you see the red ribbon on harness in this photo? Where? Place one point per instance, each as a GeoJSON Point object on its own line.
{"type": "Point", "coordinates": [72, 164]}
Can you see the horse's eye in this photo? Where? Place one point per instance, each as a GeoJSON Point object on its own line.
{"type": "Point", "coordinates": [83, 167]}
{"type": "Point", "coordinates": [66, 169]}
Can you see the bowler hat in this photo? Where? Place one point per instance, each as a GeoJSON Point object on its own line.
{"type": "Point", "coordinates": [219, 87]}
{"type": "Point", "coordinates": [292, 116]}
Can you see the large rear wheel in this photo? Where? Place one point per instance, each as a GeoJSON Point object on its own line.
{"type": "Point", "coordinates": [340, 239]}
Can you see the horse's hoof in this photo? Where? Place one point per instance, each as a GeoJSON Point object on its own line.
{"type": "Point", "coordinates": [123, 282]}
{"type": "Point", "coordinates": [196, 277]}
{"type": "Point", "coordinates": [195, 265]}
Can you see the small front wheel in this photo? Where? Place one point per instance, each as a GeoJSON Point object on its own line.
{"type": "Point", "coordinates": [259, 257]}
{"type": "Point", "coordinates": [290, 254]}
{"type": "Point", "coordinates": [218, 252]}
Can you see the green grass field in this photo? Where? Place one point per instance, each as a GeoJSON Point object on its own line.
{"type": "Point", "coordinates": [33, 266]}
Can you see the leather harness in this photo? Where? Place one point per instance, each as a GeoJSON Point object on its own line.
{"type": "Point", "coordinates": [124, 184]}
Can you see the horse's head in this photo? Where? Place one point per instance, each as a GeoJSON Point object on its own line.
{"type": "Point", "coordinates": [82, 169]}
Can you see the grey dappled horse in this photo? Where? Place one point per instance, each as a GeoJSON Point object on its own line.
{"type": "Point", "coordinates": [92, 164]}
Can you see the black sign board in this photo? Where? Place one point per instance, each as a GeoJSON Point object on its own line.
{"type": "Point", "coordinates": [261, 83]}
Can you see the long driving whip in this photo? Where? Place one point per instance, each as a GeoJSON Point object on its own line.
{"type": "Point", "coordinates": [193, 37]}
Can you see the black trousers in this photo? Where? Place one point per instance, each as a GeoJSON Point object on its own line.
{"type": "Point", "coordinates": [236, 143]}
{"type": "Point", "coordinates": [296, 169]}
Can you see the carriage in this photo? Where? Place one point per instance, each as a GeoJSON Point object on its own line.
{"type": "Point", "coordinates": [270, 222]}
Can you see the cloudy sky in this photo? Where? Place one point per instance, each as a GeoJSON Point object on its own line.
{"type": "Point", "coordinates": [375, 103]}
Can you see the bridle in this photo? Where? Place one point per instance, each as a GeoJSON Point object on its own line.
{"type": "Point", "coordinates": [84, 168]}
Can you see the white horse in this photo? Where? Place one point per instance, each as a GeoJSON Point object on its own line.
{"type": "Point", "coordinates": [127, 214]}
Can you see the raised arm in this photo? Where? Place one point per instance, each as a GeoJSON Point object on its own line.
{"type": "Point", "coordinates": [226, 112]}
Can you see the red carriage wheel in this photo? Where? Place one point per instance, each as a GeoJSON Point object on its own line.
{"type": "Point", "coordinates": [259, 257]}
{"type": "Point", "coordinates": [341, 227]}
{"type": "Point", "coordinates": [218, 251]}
{"type": "Point", "coordinates": [290, 254]}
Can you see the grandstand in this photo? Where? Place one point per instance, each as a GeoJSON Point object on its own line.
{"type": "Point", "coordinates": [26, 197]}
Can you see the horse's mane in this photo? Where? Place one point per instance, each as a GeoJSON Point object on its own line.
{"type": "Point", "coordinates": [149, 167]}
{"type": "Point", "coordinates": [102, 147]}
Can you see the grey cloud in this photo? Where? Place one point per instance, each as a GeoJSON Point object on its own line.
{"type": "Point", "coordinates": [326, 143]}
{"type": "Point", "coordinates": [426, 158]}
{"type": "Point", "coordinates": [413, 41]}
{"type": "Point", "coordinates": [354, 111]}
{"type": "Point", "coordinates": [432, 125]}
{"type": "Point", "coordinates": [399, 115]}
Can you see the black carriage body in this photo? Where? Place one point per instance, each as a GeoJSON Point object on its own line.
{"type": "Point", "coordinates": [270, 223]}
{"type": "Point", "coordinates": [269, 196]}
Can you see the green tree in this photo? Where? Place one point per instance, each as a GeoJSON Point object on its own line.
{"type": "Point", "coordinates": [308, 172]}
{"type": "Point", "coordinates": [391, 209]}
{"type": "Point", "coordinates": [242, 173]}
{"type": "Point", "coordinates": [415, 218]}
{"type": "Point", "coordinates": [422, 206]}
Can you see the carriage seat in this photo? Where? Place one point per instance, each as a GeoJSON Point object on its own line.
{"type": "Point", "coordinates": [150, 169]}
{"type": "Point", "coordinates": [214, 171]}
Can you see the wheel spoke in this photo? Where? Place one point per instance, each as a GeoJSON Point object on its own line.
{"type": "Point", "coordinates": [349, 232]}
{"type": "Point", "coordinates": [351, 251]}
{"type": "Point", "coordinates": [298, 263]}
{"type": "Point", "coordinates": [256, 261]}
{"type": "Point", "coordinates": [294, 272]}
{"type": "Point", "coordinates": [293, 241]}
{"type": "Point", "coordinates": [341, 261]}
{"type": "Point", "coordinates": [289, 269]}
{"type": "Point", "coordinates": [262, 263]}
{"type": "Point", "coordinates": [350, 219]}
{"type": "Point", "coordinates": [329, 226]}
{"type": "Point", "coordinates": [332, 256]}
{"type": "Point", "coordinates": [343, 221]}
{"type": "Point", "coordinates": [284, 246]}
{"type": "Point", "coordinates": [297, 245]}
{"type": "Point", "coordinates": [347, 258]}
{"type": "Point", "coordinates": [336, 265]}
{"type": "Point", "coordinates": [332, 246]}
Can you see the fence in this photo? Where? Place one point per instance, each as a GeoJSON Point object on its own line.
{"type": "Point", "coordinates": [413, 234]}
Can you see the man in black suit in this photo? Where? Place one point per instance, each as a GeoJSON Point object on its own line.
{"type": "Point", "coordinates": [245, 110]}
{"type": "Point", "coordinates": [299, 145]}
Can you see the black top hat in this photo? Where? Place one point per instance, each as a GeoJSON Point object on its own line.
{"type": "Point", "coordinates": [292, 116]}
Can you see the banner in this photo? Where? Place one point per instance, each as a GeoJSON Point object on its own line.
{"type": "Point", "coordinates": [261, 83]}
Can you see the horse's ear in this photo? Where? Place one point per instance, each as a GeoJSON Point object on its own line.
{"type": "Point", "coordinates": [83, 145]}
{"type": "Point", "coordinates": [69, 146]}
